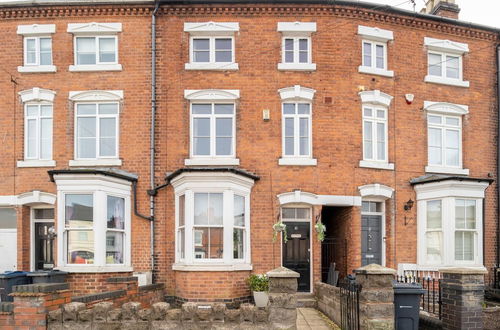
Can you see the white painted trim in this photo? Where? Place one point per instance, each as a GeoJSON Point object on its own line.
{"type": "Point", "coordinates": [376, 97]}
{"type": "Point", "coordinates": [455, 188]}
{"type": "Point", "coordinates": [207, 180]}
{"type": "Point", "coordinates": [448, 46]}
{"type": "Point", "coordinates": [379, 199]}
{"type": "Point", "coordinates": [303, 28]}
{"type": "Point", "coordinates": [211, 94]}
{"type": "Point", "coordinates": [94, 269]}
{"type": "Point", "coordinates": [376, 190]}
{"type": "Point", "coordinates": [95, 67]}
{"type": "Point", "coordinates": [302, 197]}
{"type": "Point", "coordinates": [446, 108]}
{"type": "Point", "coordinates": [211, 161]}
{"type": "Point", "coordinates": [211, 28]}
{"type": "Point", "coordinates": [96, 162]}
{"type": "Point", "coordinates": [219, 66]}
{"type": "Point", "coordinates": [36, 163]}
{"type": "Point", "coordinates": [297, 66]}
{"type": "Point", "coordinates": [36, 68]}
{"type": "Point", "coordinates": [375, 71]}
{"type": "Point", "coordinates": [32, 232]}
{"type": "Point", "coordinates": [10, 200]}
{"type": "Point", "coordinates": [37, 94]}
{"type": "Point", "coordinates": [446, 81]}
{"type": "Point", "coordinates": [36, 197]}
{"type": "Point", "coordinates": [94, 28]}
{"type": "Point", "coordinates": [297, 161]}
{"type": "Point", "coordinates": [212, 267]}
{"type": "Point", "coordinates": [375, 33]}
{"type": "Point", "coordinates": [96, 95]}
{"type": "Point", "coordinates": [377, 165]}
{"type": "Point", "coordinates": [296, 92]}
{"type": "Point", "coordinates": [36, 29]}
{"type": "Point", "coordinates": [446, 170]}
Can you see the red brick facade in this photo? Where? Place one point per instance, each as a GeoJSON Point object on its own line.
{"type": "Point", "coordinates": [336, 123]}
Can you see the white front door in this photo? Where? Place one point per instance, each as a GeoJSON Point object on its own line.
{"type": "Point", "coordinates": [8, 239]}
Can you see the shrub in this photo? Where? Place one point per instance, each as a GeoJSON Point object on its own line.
{"type": "Point", "coordinates": [258, 282]}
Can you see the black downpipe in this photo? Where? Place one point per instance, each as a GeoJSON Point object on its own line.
{"type": "Point", "coordinates": [498, 157]}
{"type": "Point", "coordinates": [136, 211]}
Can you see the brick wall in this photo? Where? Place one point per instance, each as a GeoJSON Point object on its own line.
{"type": "Point", "coordinates": [85, 283]}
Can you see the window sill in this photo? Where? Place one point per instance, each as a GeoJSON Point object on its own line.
{"type": "Point", "coordinates": [211, 66]}
{"type": "Point", "coordinates": [378, 72]}
{"type": "Point", "coordinates": [298, 161]}
{"type": "Point", "coordinates": [297, 66]}
{"type": "Point", "coordinates": [211, 267]}
{"type": "Point", "coordinates": [446, 170]}
{"type": "Point", "coordinates": [37, 68]}
{"type": "Point", "coordinates": [94, 269]}
{"type": "Point", "coordinates": [446, 81]}
{"type": "Point", "coordinates": [95, 67]}
{"type": "Point", "coordinates": [211, 161]}
{"type": "Point", "coordinates": [377, 165]}
{"type": "Point", "coordinates": [96, 162]}
{"type": "Point", "coordinates": [36, 163]}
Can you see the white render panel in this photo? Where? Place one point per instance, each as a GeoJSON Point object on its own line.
{"type": "Point", "coordinates": [446, 108]}
{"type": "Point", "coordinates": [211, 94]}
{"type": "Point", "coordinates": [212, 28]}
{"type": "Point", "coordinates": [96, 95]}
{"type": "Point", "coordinates": [297, 92]}
{"type": "Point", "coordinates": [37, 94]}
{"type": "Point", "coordinates": [446, 45]}
{"type": "Point", "coordinates": [374, 33]}
{"type": "Point", "coordinates": [36, 29]}
{"type": "Point", "coordinates": [376, 97]}
{"type": "Point", "coordinates": [297, 27]}
{"type": "Point", "coordinates": [94, 28]}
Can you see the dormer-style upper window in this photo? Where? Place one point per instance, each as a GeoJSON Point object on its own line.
{"type": "Point", "coordinates": [296, 52]}
{"type": "Point", "coordinates": [95, 46]}
{"type": "Point", "coordinates": [445, 62]}
{"type": "Point", "coordinates": [374, 51]}
{"type": "Point", "coordinates": [211, 46]}
{"type": "Point", "coordinates": [37, 43]}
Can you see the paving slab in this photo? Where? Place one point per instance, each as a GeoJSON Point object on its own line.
{"type": "Point", "coordinates": [312, 319]}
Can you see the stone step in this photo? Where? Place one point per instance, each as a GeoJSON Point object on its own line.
{"type": "Point", "coordinates": [306, 300]}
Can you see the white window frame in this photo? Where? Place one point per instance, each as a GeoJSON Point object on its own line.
{"type": "Point", "coordinates": [296, 134]}
{"type": "Point", "coordinates": [296, 31]}
{"type": "Point", "coordinates": [446, 48]}
{"type": "Point", "coordinates": [444, 128]}
{"type": "Point", "coordinates": [297, 94]}
{"type": "Point", "coordinates": [376, 100]}
{"type": "Point", "coordinates": [229, 184]}
{"type": "Point", "coordinates": [95, 30]}
{"type": "Point", "coordinates": [375, 36]}
{"type": "Point", "coordinates": [100, 186]}
{"type": "Point", "coordinates": [38, 119]}
{"type": "Point", "coordinates": [212, 31]}
{"type": "Point", "coordinates": [375, 120]}
{"type": "Point", "coordinates": [213, 96]}
{"type": "Point", "coordinates": [36, 32]}
{"type": "Point", "coordinates": [448, 192]}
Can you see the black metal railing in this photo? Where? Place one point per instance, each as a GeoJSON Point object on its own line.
{"type": "Point", "coordinates": [333, 252]}
{"type": "Point", "coordinates": [431, 299]}
{"type": "Point", "coordinates": [494, 277]}
{"type": "Point", "coordinates": [349, 304]}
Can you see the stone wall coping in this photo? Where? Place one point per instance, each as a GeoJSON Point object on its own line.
{"type": "Point", "coordinates": [282, 272]}
{"type": "Point", "coordinates": [151, 287]}
{"type": "Point", "coordinates": [374, 269]}
{"type": "Point", "coordinates": [40, 288]}
{"type": "Point", "coordinates": [122, 279]}
{"type": "Point", "coordinates": [99, 296]}
{"type": "Point", "coordinates": [464, 270]}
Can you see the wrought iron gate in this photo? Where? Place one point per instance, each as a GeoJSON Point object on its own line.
{"type": "Point", "coordinates": [349, 304]}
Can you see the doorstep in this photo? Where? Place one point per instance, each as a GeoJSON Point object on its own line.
{"type": "Point", "coordinates": [305, 299]}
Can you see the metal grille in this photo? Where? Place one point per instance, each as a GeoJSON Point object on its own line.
{"type": "Point", "coordinates": [349, 304]}
{"type": "Point", "coordinates": [431, 299]}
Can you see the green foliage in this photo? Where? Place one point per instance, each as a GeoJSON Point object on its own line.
{"type": "Point", "coordinates": [279, 227]}
{"type": "Point", "coordinates": [258, 282]}
{"type": "Point", "coordinates": [320, 229]}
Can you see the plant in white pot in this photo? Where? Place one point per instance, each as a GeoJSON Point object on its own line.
{"type": "Point", "coordinates": [259, 284]}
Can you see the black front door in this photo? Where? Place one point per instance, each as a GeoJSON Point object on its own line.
{"type": "Point", "coordinates": [296, 253]}
{"type": "Point", "coordinates": [371, 239]}
{"type": "Point", "coordinates": [44, 246]}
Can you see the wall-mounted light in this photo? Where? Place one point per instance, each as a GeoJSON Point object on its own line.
{"type": "Point", "coordinates": [408, 205]}
{"type": "Point", "coordinates": [266, 114]}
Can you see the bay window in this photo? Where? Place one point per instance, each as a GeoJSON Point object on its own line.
{"type": "Point", "coordinates": [212, 220]}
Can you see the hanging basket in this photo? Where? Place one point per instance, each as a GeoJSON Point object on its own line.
{"type": "Point", "coordinates": [320, 230]}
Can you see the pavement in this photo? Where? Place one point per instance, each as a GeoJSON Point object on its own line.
{"type": "Point", "coordinates": [312, 319]}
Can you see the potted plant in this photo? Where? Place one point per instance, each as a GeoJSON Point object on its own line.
{"type": "Point", "coordinates": [259, 284]}
{"type": "Point", "coordinates": [320, 230]}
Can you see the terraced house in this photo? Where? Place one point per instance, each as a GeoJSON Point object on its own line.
{"type": "Point", "coordinates": [170, 140]}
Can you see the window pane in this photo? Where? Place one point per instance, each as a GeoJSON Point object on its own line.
{"type": "Point", "coordinates": [367, 112]}
{"type": "Point", "coordinates": [452, 121]}
{"type": "Point", "coordinates": [116, 212]}
{"type": "Point", "coordinates": [221, 109]}
{"type": "Point", "coordinates": [464, 245]}
{"type": "Point", "coordinates": [434, 119]}
{"type": "Point", "coordinates": [452, 139]}
{"type": "Point", "coordinates": [114, 247]}
{"type": "Point", "coordinates": [45, 44]}
{"type": "Point", "coordinates": [43, 214]}
{"type": "Point", "coordinates": [304, 136]}
{"type": "Point", "coordinates": [367, 54]}
{"type": "Point", "coordinates": [239, 211]}
{"type": "Point", "coordinates": [223, 50]}
{"type": "Point", "coordinates": [460, 214]}
{"type": "Point", "coordinates": [107, 139]}
{"type": "Point", "coordinates": [289, 108]}
{"type": "Point", "coordinates": [434, 214]}
{"type": "Point", "coordinates": [452, 150]}
{"type": "Point", "coordinates": [302, 213]}
{"type": "Point", "coordinates": [201, 109]}
{"type": "Point", "coordinates": [86, 148]}
{"type": "Point", "coordinates": [365, 207]}
{"type": "Point", "coordinates": [86, 50]}
{"type": "Point", "coordinates": [216, 243]}
{"type": "Point", "coordinates": [223, 44]}
{"type": "Point", "coordinates": [32, 138]}
{"type": "Point", "coordinates": [215, 209]}
{"type": "Point", "coordinates": [80, 247]}
{"type": "Point", "coordinates": [288, 213]}
{"type": "Point", "coordinates": [452, 67]}
{"type": "Point", "coordinates": [201, 131]}
{"type": "Point", "coordinates": [289, 46]}
{"type": "Point", "coordinates": [46, 110]}
{"type": "Point", "coordinates": [223, 56]}
{"type": "Point", "coordinates": [470, 214]}
{"type": "Point", "coordinates": [208, 243]}
{"type": "Point", "coordinates": [201, 146]}
{"type": "Point", "coordinates": [223, 146]}
{"type": "Point", "coordinates": [79, 211]}
{"type": "Point", "coordinates": [107, 50]}
{"type": "Point", "coordinates": [8, 218]}
{"type": "Point", "coordinates": [86, 133]}
{"type": "Point", "coordinates": [238, 247]}
{"type": "Point", "coordinates": [303, 108]}
{"type": "Point", "coordinates": [45, 51]}
{"type": "Point", "coordinates": [31, 51]}
{"type": "Point", "coordinates": [201, 209]}
{"type": "Point", "coordinates": [380, 56]}
{"type": "Point", "coordinates": [182, 210]}
{"type": "Point", "coordinates": [303, 51]}
{"type": "Point", "coordinates": [435, 65]}
{"type": "Point", "coordinates": [380, 141]}
{"type": "Point", "coordinates": [86, 109]}
{"type": "Point", "coordinates": [381, 114]}
{"type": "Point", "coordinates": [433, 246]}
{"type": "Point", "coordinates": [201, 50]}
{"type": "Point", "coordinates": [32, 110]}
{"type": "Point", "coordinates": [289, 136]}
{"type": "Point", "coordinates": [46, 138]}
{"type": "Point", "coordinates": [108, 108]}
{"type": "Point", "coordinates": [201, 44]}
{"type": "Point", "coordinates": [435, 146]}
{"type": "Point", "coordinates": [181, 239]}
{"type": "Point", "coordinates": [368, 146]}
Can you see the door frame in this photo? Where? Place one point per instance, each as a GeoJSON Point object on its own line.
{"type": "Point", "coordinates": [32, 232]}
{"type": "Point", "coordinates": [311, 261]}
{"type": "Point", "coordinates": [382, 229]}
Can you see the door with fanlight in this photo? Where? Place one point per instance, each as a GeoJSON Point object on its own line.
{"type": "Point", "coordinates": [372, 233]}
{"type": "Point", "coordinates": [43, 238]}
